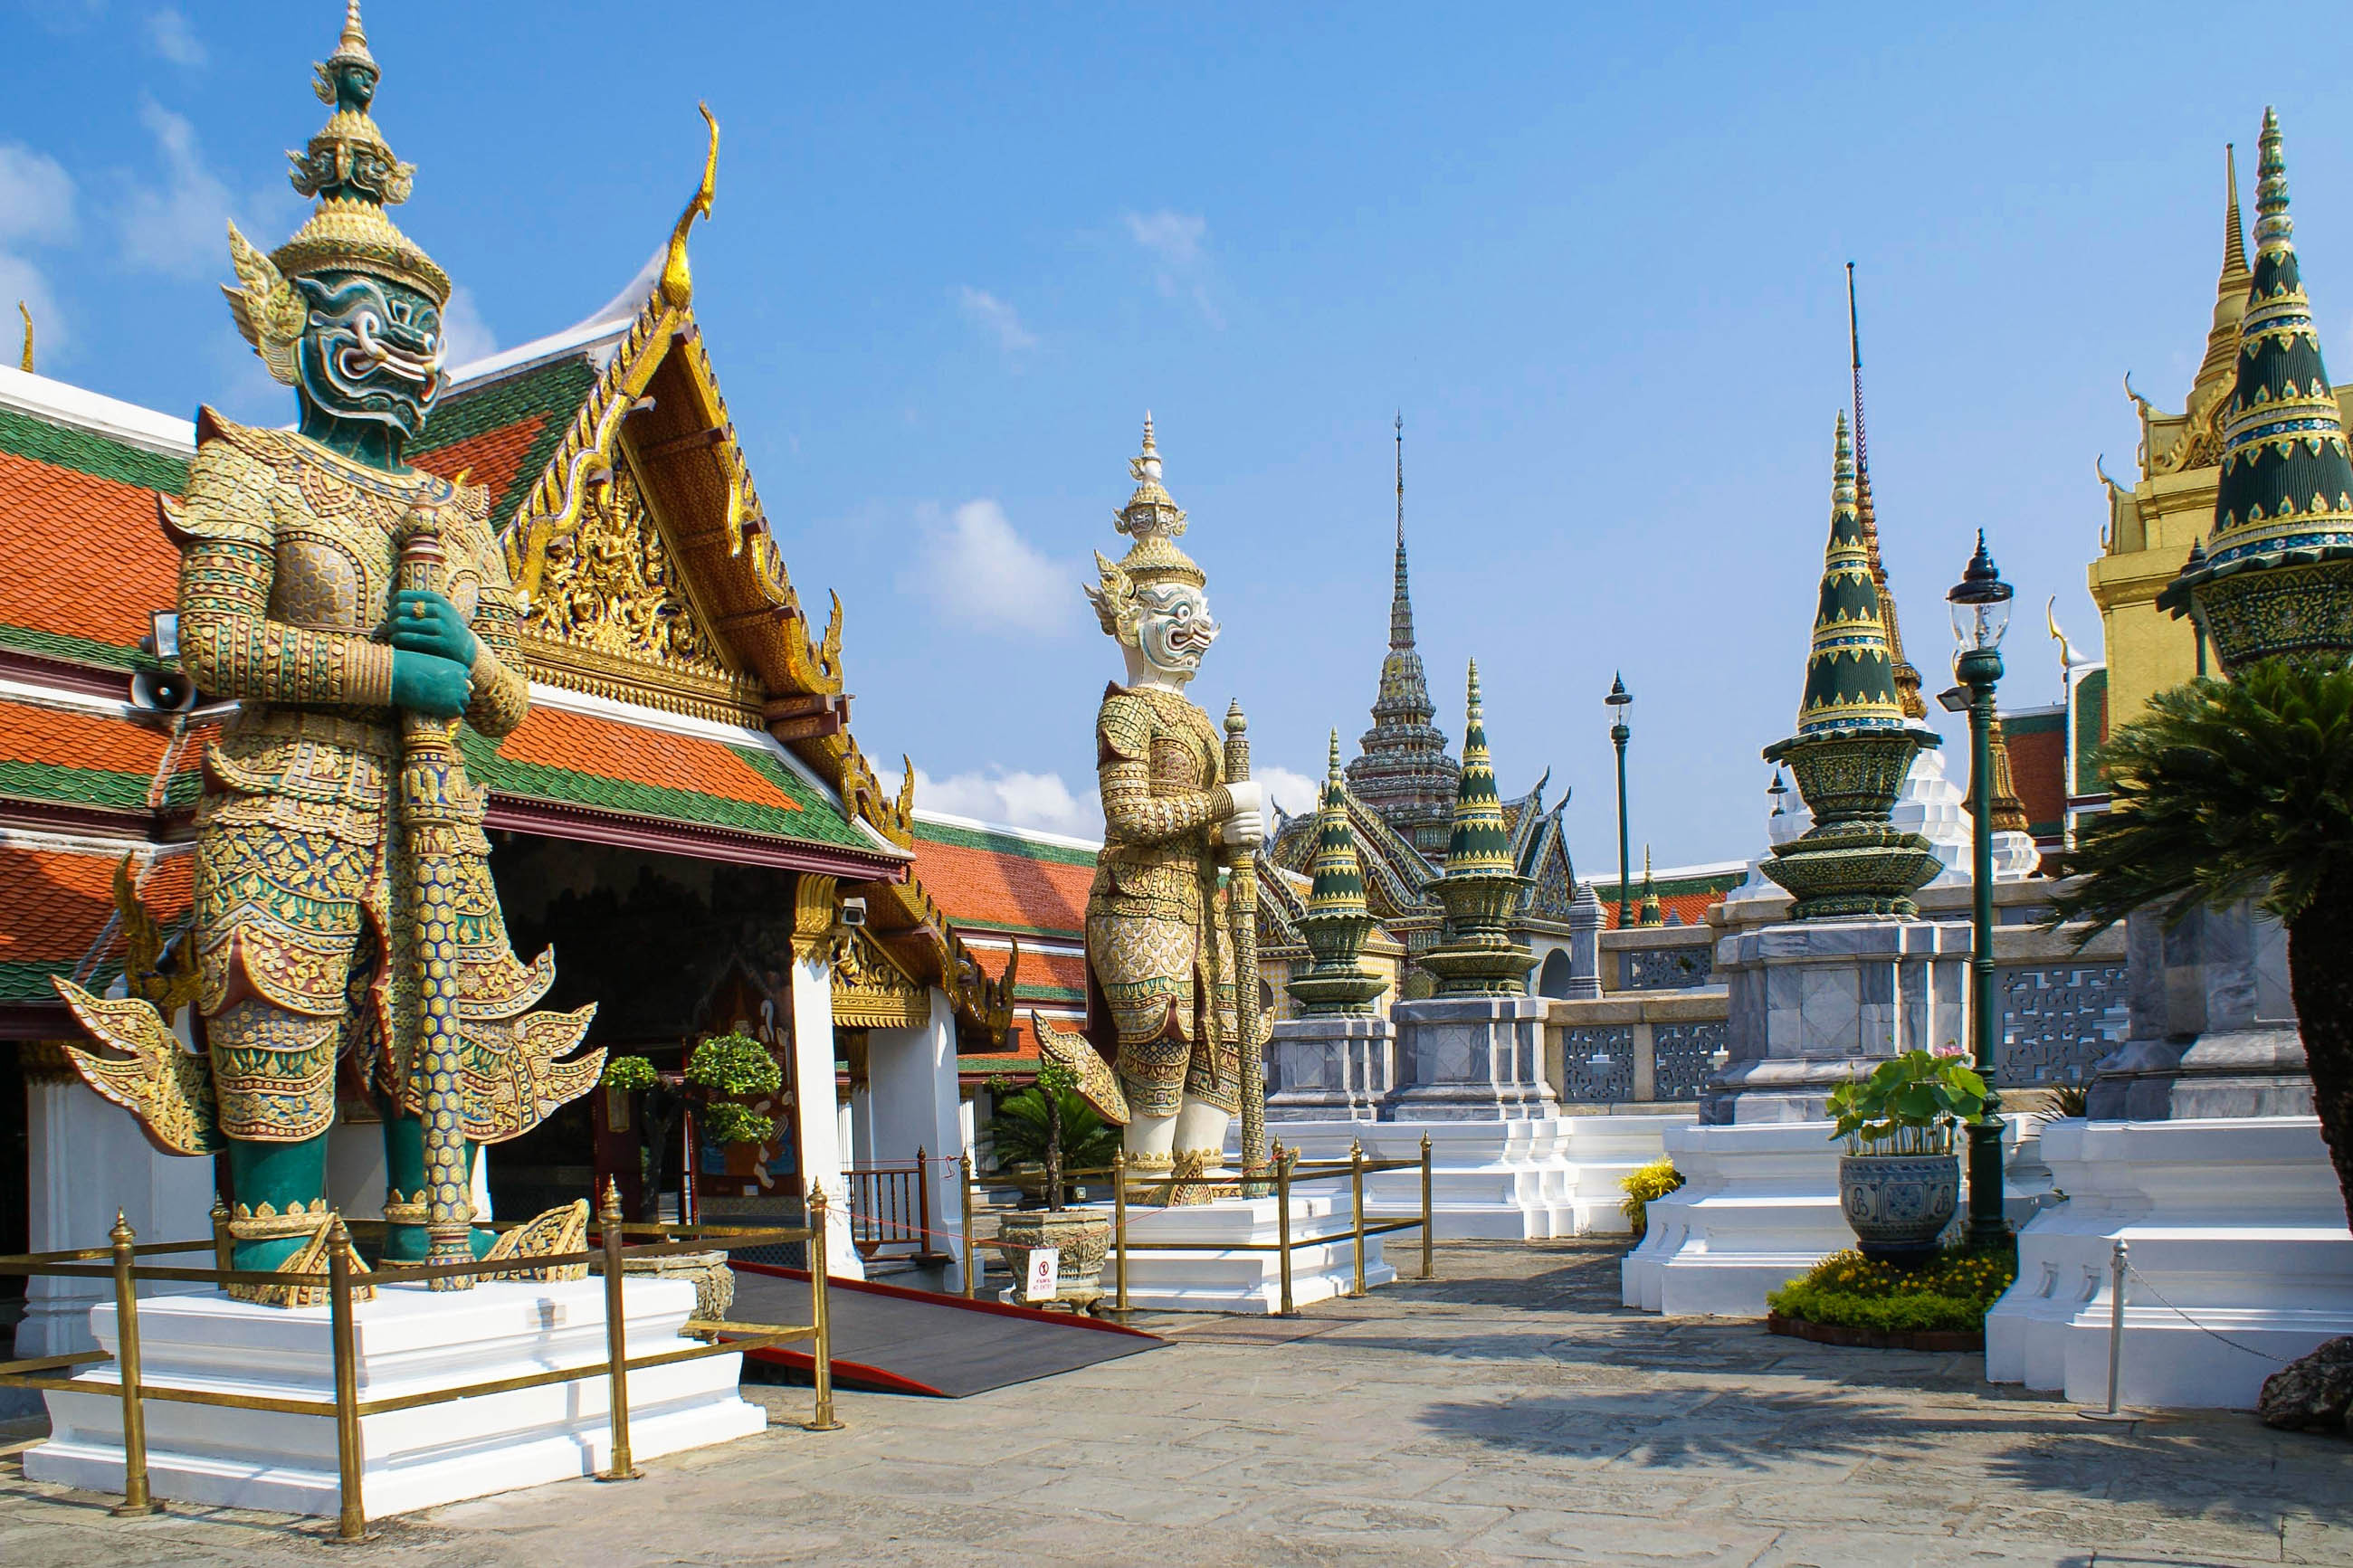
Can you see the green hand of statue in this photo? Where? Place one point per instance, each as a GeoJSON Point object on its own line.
{"type": "Point", "coordinates": [424, 622]}
{"type": "Point", "coordinates": [425, 683]}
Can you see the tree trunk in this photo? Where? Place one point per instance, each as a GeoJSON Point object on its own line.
{"type": "Point", "coordinates": [658, 1124]}
{"type": "Point", "coordinates": [2320, 977]}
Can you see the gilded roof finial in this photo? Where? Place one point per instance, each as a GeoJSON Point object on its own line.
{"type": "Point", "coordinates": [25, 363]}
{"type": "Point", "coordinates": [677, 281]}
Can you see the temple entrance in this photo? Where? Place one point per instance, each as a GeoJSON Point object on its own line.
{"type": "Point", "coordinates": [673, 949]}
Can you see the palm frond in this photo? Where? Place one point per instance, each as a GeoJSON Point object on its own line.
{"type": "Point", "coordinates": [2224, 790]}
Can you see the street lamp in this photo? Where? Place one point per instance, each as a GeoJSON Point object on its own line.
{"type": "Point", "coordinates": [1981, 603]}
{"type": "Point", "coordinates": [1620, 703]}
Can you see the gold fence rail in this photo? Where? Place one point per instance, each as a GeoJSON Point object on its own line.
{"type": "Point", "coordinates": [1287, 1168]}
{"type": "Point", "coordinates": [121, 1265]}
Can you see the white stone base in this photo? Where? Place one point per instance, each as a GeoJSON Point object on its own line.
{"type": "Point", "coordinates": [1209, 1276]}
{"type": "Point", "coordinates": [1536, 1179]}
{"type": "Point", "coordinates": [1758, 1207]}
{"type": "Point", "coordinates": [408, 1340]}
{"type": "Point", "coordinates": [2238, 1222]}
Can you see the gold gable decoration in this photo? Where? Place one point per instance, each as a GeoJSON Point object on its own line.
{"type": "Point", "coordinates": [871, 991]}
{"type": "Point", "coordinates": [610, 586]}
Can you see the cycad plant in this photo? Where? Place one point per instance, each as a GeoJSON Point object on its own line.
{"type": "Point", "coordinates": [2227, 790]}
{"type": "Point", "coordinates": [1051, 1126]}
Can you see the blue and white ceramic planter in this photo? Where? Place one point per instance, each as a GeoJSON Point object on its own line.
{"type": "Point", "coordinates": [1899, 1204]}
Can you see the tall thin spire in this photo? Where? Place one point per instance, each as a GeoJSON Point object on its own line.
{"type": "Point", "coordinates": [2215, 372]}
{"type": "Point", "coordinates": [1400, 599]}
{"type": "Point", "coordinates": [1404, 773]}
{"type": "Point", "coordinates": [1907, 679]}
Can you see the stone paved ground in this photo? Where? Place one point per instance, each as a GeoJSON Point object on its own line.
{"type": "Point", "coordinates": [1510, 1412]}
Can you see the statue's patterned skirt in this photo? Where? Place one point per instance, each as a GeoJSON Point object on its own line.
{"type": "Point", "coordinates": [1154, 975]}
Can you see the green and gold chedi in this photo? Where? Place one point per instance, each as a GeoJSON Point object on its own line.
{"type": "Point", "coordinates": [1475, 956]}
{"type": "Point", "coordinates": [358, 610]}
{"type": "Point", "coordinates": [2275, 576]}
{"type": "Point", "coordinates": [1336, 923]}
{"type": "Point", "coordinates": [1855, 742]}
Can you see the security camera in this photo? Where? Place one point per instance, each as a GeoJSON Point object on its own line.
{"type": "Point", "coordinates": [163, 691]}
{"type": "Point", "coordinates": [853, 913]}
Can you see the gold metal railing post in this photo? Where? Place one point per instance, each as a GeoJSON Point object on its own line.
{"type": "Point", "coordinates": [1357, 1206]}
{"type": "Point", "coordinates": [970, 1281]}
{"type": "Point", "coordinates": [1428, 1256]}
{"type": "Point", "coordinates": [135, 1500]}
{"type": "Point", "coordinates": [923, 1201]}
{"type": "Point", "coordinates": [1118, 1229]}
{"type": "Point", "coordinates": [1283, 1164]}
{"type": "Point", "coordinates": [821, 1349]}
{"type": "Point", "coordinates": [222, 1243]}
{"type": "Point", "coordinates": [617, 1346]}
{"type": "Point", "coordinates": [351, 1522]}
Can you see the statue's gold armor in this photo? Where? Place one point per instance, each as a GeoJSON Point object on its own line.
{"type": "Point", "coordinates": [287, 576]}
{"type": "Point", "coordinates": [1158, 941]}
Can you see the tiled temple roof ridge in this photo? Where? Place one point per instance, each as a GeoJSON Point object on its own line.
{"type": "Point", "coordinates": [131, 424]}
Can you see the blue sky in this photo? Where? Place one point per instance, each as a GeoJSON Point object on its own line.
{"type": "Point", "coordinates": [1594, 253]}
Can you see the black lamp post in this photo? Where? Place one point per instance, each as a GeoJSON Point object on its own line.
{"type": "Point", "coordinates": [1620, 703]}
{"type": "Point", "coordinates": [1981, 603]}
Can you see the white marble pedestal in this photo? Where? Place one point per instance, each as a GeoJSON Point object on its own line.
{"type": "Point", "coordinates": [2236, 1222]}
{"type": "Point", "coordinates": [1759, 1206]}
{"type": "Point", "coordinates": [1210, 1275]}
{"type": "Point", "coordinates": [1533, 1179]}
{"type": "Point", "coordinates": [408, 1340]}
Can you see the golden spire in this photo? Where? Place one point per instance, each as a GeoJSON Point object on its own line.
{"type": "Point", "coordinates": [2229, 290]}
{"type": "Point", "coordinates": [25, 363]}
{"type": "Point", "coordinates": [676, 282]}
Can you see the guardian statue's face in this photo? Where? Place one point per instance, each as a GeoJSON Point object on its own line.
{"type": "Point", "coordinates": [372, 350]}
{"type": "Point", "coordinates": [1174, 629]}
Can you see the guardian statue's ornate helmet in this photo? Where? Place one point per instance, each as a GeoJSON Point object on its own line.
{"type": "Point", "coordinates": [1151, 597]}
{"type": "Point", "coordinates": [351, 171]}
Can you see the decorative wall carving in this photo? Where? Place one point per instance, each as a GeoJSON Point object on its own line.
{"type": "Point", "coordinates": [611, 585]}
{"type": "Point", "coordinates": [1666, 968]}
{"type": "Point", "coordinates": [1582, 1081]}
{"type": "Point", "coordinates": [1683, 1054]}
{"type": "Point", "coordinates": [2059, 1020]}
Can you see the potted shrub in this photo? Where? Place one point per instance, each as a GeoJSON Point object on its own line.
{"type": "Point", "coordinates": [1900, 1181]}
{"type": "Point", "coordinates": [721, 1071]}
{"type": "Point", "coordinates": [1081, 1235]}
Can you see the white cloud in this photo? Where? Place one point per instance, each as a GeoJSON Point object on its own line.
{"type": "Point", "coordinates": [37, 197]}
{"type": "Point", "coordinates": [37, 207]}
{"type": "Point", "coordinates": [180, 228]}
{"type": "Point", "coordinates": [1041, 801]}
{"type": "Point", "coordinates": [994, 317]}
{"type": "Point", "coordinates": [979, 572]}
{"type": "Point", "coordinates": [470, 337]}
{"type": "Point", "coordinates": [170, 35]}
{"type": "Point", "coordinates": [1179, 244]}
{"type": "Point", "coordinates": [1175, 237]}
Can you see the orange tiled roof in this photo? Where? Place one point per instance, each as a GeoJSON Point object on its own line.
{"type": "Point", "coordinates": [587, 760]}
{"type": "Point", "coordinates": [69, 756]}
{"type": "Point", "coordinates": [87, 562]}
{"type": "Point", "coordinates": [1002, 882]}
{"type": "Point", "coordinates": [58, 905]}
